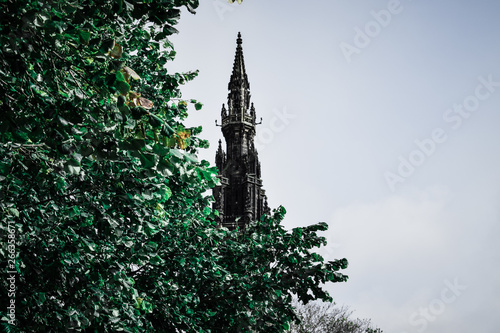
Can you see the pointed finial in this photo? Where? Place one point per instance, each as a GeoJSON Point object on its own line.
{"type": "Point", "coordinates": [223, 112]}
{"type": "Point", "coordinates": [219, 149]}
{"type": "Point", "coordinates": [239, 41]}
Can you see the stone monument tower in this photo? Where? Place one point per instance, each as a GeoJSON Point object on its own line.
{"type": "Point", "coordinates": [240, 197]}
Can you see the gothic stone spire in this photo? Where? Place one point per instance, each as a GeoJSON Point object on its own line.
{"type": "Point", "coordinates": [240, 197]}
{"type": "Point", "coordinates": [239, 88]}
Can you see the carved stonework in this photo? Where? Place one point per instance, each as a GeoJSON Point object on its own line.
{"type": "Point", "coordinates": [240, 197]}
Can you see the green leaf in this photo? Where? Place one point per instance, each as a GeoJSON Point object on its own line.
{"type": "Point", "coordinates": [84, 36]}
{"type": "Point", "coordinates": [133, 144]}
{"type": "Point", "coordinates": [148, 160]}
{"type": "Point", "coordinates": [191, 158]}
{"type": "Point", "coordinates": [13, 211]}
{"type": "Point", "coordinates": [121, 101]}
{"type": "Point", "coordinates": [167, 193]}
{"type": "Point", "coordinates": [107, 45]}
{"type": "Point", "coordinates": [120, 77]}
{"type": "Point", "coordinates": [89, 245]}
{"type": "Point", "coordinates": [167, 130]}
{"type": "Point", "coordinates": [155, 121]}
{"type": "Point", "coordinates": [72, 167]}
{"type": "Point", "coordinates": [156, 260]}
{"type": "Point", "coordinates": [123, 87]}
{"type": "Point", "coordinates": [177, 153]}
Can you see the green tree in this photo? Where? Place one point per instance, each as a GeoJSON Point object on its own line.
{"type": "Point", "coordinates": [329, 318]}
{"type": "Point", "coordinates": [105, 224]}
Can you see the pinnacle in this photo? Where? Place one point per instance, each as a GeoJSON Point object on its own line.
{"type": "Point", "coordinates": [238, 77]}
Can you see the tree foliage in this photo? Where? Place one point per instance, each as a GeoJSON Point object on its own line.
{"type": "Point", "coordinates": [329, 318]}
{"type": "Point", "coordinates": [105, 224]}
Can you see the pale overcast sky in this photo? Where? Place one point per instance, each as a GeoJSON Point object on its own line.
{"type": "Point", "coordinates": [380, 118]}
